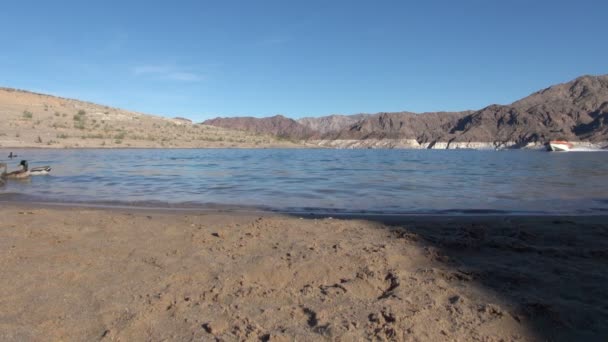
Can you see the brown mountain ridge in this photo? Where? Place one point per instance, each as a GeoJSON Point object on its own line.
{"type": "Point", "coordinates": [576, 111]}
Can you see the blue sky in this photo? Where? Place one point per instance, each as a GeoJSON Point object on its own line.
{"type": "Point", "coordinates": [202, 59]}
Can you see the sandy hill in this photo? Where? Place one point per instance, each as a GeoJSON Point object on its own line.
{"type": "Point", "coordinates": [35, 120]}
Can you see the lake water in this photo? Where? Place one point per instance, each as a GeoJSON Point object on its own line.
{"type": "Point", "coordinates": [350, 181]}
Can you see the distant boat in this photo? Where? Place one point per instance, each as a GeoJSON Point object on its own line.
{"type": "Point", "coordinates": [560, 146]}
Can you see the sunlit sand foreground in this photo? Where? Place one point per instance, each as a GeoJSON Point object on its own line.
{"type": "Point", "coordinates": [142, 275]}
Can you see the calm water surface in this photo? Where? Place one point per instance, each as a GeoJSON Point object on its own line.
{"type": "Point", "coordinates": [370, 181]}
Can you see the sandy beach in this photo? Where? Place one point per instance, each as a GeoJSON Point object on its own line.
{"type": "Point", "coordinates": [78, 274]}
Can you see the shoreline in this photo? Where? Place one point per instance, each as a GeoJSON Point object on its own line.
{"type": "Point", "coordinates": [309, 213]}
{"type": "Point", "coordinates": [127, 274]}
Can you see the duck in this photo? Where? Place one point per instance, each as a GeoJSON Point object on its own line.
{"type": "Point", "coordinates": [18, 174]}
{"type": "Point", "coordinates": [36, 171]}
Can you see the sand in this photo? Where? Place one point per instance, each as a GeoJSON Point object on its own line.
{"type": "Point", "coordinates": [77, 274]}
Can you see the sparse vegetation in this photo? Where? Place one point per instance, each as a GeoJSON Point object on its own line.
{"type": "Point", "coordinates": [93, 136]}
{"type": "Point", "coordinates": [120, 136]}
{"type": "Point", "coordinates": [80, 120]}
{"type": "Point", "coordinates": [75, 124]}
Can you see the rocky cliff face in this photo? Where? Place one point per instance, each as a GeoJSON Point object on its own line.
{"type": "Point", "coordinates": [576, 111]}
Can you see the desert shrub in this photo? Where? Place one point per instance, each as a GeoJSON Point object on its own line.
{"type": "Point", "coordinates": [27, 114]}
{"type": "Point", "coordinates": [80, 120]}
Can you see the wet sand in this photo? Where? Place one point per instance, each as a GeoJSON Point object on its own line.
{"type": "Point", "coordinates": [132, 275]}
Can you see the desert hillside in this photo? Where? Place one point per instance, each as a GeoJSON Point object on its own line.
{"type": "Point", "coordinates": [36, 120]}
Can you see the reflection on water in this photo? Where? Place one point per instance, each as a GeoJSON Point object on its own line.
{"type": "Point", "coordinates": [394, 181]}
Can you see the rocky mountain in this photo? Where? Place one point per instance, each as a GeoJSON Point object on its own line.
{"type": "Point", "coordinates": [331, 123]}
{"type": "Point", "coordinates": [277, 125]}
{"type": "Point", "coordinates": [420, 127]}
{"type": "Point", "coordinates": [576, 111]}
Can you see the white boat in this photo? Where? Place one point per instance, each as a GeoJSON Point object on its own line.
{"type": "Point", "coordinates": [560, 146]}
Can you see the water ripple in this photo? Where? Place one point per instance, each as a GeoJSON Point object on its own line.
{"type": "Point", "coordinates": [395, 181]}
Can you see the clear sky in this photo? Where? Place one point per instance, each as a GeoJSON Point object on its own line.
{"type": "Point", "coordinates": [201, 59]}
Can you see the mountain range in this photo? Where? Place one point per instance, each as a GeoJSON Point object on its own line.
{"type": "Point", "coordinates": [576, 111]}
